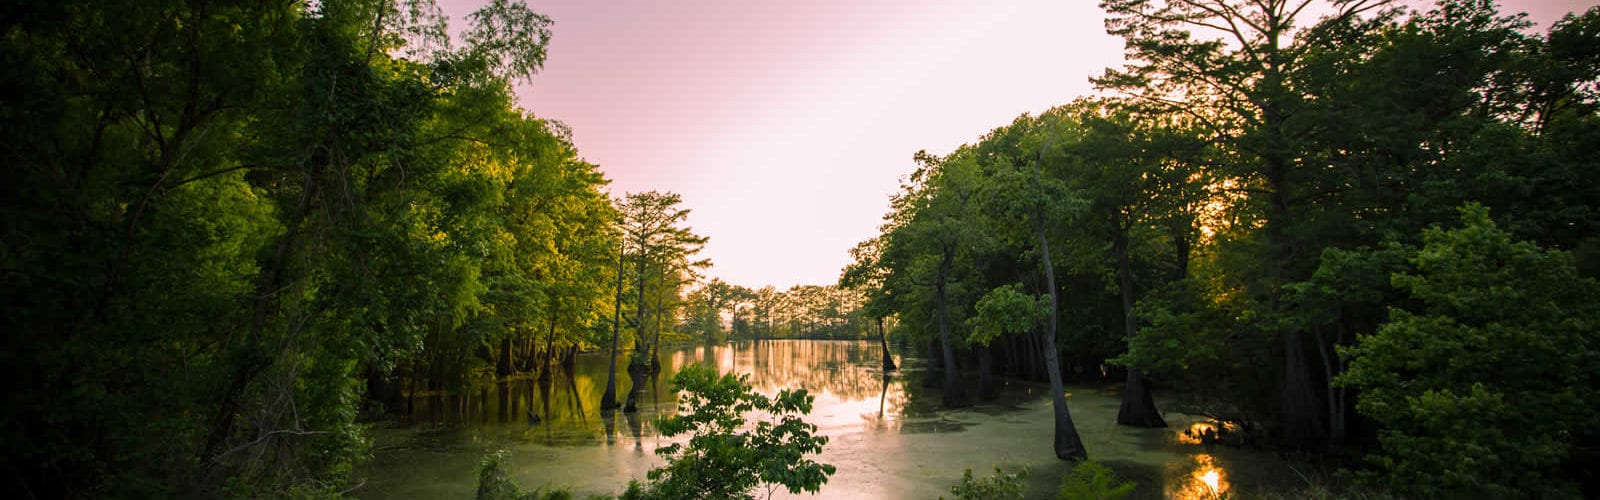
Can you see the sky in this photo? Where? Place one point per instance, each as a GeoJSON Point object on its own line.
{"type": "Point", "coordinates": [787, 125]}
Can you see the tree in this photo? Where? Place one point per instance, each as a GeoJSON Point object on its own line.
{"type": "Point", "coordinates": [866, 276]}
{"type": "Point", "coordinates": [652, 223]}
{"type": "Point", "coordinates": [1484, 384]}
{"type": "Point", "coordinates": [224, 220]}
{"type": "Point", "coordinates": [1022, 204]}
{"type": "Point", "coordinates": [926, 234]}
{"type": "Point", "coordinates": [709, 301]}
{"type": "Point", "coordinates": [1239, 79]}
{"type": "Point", "coordinates": [1137, 173]}
{"type": "Point", "coordinates": [660, 248]}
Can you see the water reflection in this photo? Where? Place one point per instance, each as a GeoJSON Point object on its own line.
{"type": "Point", "coordinates": [888, 437]}
{"type": "Point", "coordinates": [845, 378]}
{"type": "Point", "coordinates": [1203, 475]}
{"type": "Point", "coordinates": [1198, 433]}
{"type": "Point", "coordinates": [1205, 479]}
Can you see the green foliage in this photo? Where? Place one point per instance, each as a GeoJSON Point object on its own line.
{"type": "Point", "coordinates": [661, 247]}
{"type": "Point", "coordinates": [510, 38]}
{"type": "Point", "coordinates": [1006, 310]}
{"type": "Point", "coordinates": [222, 219]}
{"type": "Point", "coordinates": [726, 456]}
{"type": "Point", "coordinates": [1089, 480]}
{"type": "Point", "coordinates": [999, 486]}
{"type": "Point", "coordinates": [209, 252]}
{"type": "Point", "coordinates": [494, 483]}
{"type": "Point", "coordinates": [1481, 386]}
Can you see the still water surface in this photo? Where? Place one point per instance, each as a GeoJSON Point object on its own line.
{"type": "Point", "coordinates": [888, 437]}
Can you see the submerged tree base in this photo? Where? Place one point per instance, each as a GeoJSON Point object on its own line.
{"type": "Point", "coordinates": [1138, 405]}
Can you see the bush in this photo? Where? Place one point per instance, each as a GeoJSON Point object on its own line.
{"type": "Point", "coordinates": [1090, 480]}
{"type": "Point", "coordinates": [998, 486]}
{"type": "Point", "coordinates": [495, 484]}
{"type": "Point", "coordinates": [725, 456]}
{"type": "Point", "coordinates": [1483, 386]}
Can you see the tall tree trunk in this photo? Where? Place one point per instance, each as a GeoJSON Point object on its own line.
{"type": "Point", "coordinates": [549, 353]}
{"type": "Point", "coordinates": [1300, 414]}
{"type": "Point", "coordinates": [639, 306]}
{"type": "Point", "coordinates": [1138, 405]}
{"type": "Point", "coordinates": [1180, 247]}
{"type": "Point", "coordinates": [954, 396]}
{"type": "Point", "coordinates": [530, 351]}
{"type": "Point", "coordinates": [883, 341]}
{"type": "Point", "coordinates": [502, 366]}
{"type": "Point", "coordinates": [1068, 446]}
{"type": "Point", "coordinates": [652, 364]}
{"type": "Point", "coordinates": [1331, 367]}
{"type": "Point", "coordinates": [1302, 423]}
{"type": "Point", "coordinates": [609, 400]}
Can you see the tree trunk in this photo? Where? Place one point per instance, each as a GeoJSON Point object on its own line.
{"type": "Point", "coordinates": [502, 366]}
{"type": "Point", "coordinates": [530, 354]}
{"type": "Point", "coordinates": [652, 364]}
{"type": "Point", "coordinates": [1068, 446]}
{"type": "Point", "coordinates": [1335, 402]}
{"type": "Point", "coordinates": [609, 400]}
{"type": "Point", "coordinates": [639, 306]}
{"type": "Point", "coordinates": [1302, 425]}
{"type": "Point", "coordinates": [549, 353]}
{"type": "Point", "coordinates": [1035, 357]}
{"type": "Point", "coordinates": [954, 396]}
{"type": "Point", "coordinates": [1300, 419]}
{"type": "Point", "coordinates": [1138, 405]}
{"type": "Point", "coordinates": [883, 341]}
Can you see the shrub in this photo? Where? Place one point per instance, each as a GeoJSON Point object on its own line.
{"type": "Point", "coordinates": [726, 456]}
{"type": "Point", "coordinates": [998, 486]}
{"type": "Point", "coordinates": [1482, 386]}
{"type": "Point", "coordinates": [1091, 480]}
{"type": "Point", "coordinates": [494, 483]}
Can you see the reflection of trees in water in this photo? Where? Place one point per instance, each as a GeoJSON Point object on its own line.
{"type": "Point", "coordinates": [563, 408]}
{"type": "Point", "coordinates": [891, 398]}
{"type": "Point", "coordinates": [609, 420]}
{"type": "Point", "coordinates": [554, 410]}
{"type": "Point", "coordinates": [636, 426]}
{"type": "Point", "coordinates": [836, 367]}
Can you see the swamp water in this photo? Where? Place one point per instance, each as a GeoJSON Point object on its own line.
{"type": "Point", "coordinates": [887, 435]}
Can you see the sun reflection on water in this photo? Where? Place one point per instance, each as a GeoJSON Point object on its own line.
{"type": "Point", "coordinates": [1205, 480]}
{"type": "Point", "coordinates": [1196, 433]}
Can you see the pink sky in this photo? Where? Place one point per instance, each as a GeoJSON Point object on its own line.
{"type": "Point", "coordinates": [786, 126]}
